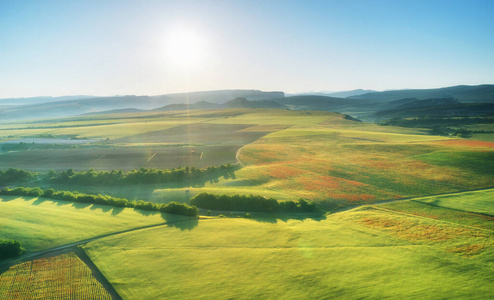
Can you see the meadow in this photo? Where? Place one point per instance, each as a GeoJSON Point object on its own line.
{"type": "Point", "coordinates": [40, 223]}
{"type": "Point", "coordinates": [374, 252]}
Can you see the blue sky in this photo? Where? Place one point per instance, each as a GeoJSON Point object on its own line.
{"type": "Point", "coordinates": [156, 47]}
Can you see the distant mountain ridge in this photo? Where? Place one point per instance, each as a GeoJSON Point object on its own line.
{"type": "Point", "coordinates": [463, 93]}
{"type": "Point", "coordinates": [239, 102]}
{"type": "Point", "coordinates": [446, 110]}
{"type": "Point", "coordinates": [98, 104]}
{"type": "Point", "coordinates": [365, 106]}
{"type": "Point", "coordinates": [342, 94]}
{"type": "Point", "coordinates": [38, 100]}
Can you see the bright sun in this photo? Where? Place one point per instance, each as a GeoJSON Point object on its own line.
{"type": "Point", "coordinates": [185, 48]}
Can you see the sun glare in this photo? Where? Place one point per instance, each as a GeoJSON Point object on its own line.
{"type": "Point", "coordinates": [185, 48]}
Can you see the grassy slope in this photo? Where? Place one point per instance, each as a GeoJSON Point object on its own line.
{"type": "Point", "coordinates": [475, 201]}
{"type": "Point", "coordinates": [342, 162]}
{"type": "Point", "coordinates": [371, 252]}
{"type": "Point", "coordinates": [42, 223]}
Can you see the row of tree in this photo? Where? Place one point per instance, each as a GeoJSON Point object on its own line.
{"type": "Point", "coordinates": [171, 208]}
{"type": "Point", "coordinates": [141, 176]}
{"type": "Point", "coordinates": [9, 249]}
{"type": "Point", "coordinates": [253, 203]}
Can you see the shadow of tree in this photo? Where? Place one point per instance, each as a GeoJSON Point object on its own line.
{"type": "Point", "coordinates": [185, 225]}
{"type": "Point", "coordinates": [40, 200]}
{"type": "Point", "coordinates": [5, 198]}
{"type": "Point", "coordinates": [180, 222]}
{"type": "Point", "coordinates": [264, 218]}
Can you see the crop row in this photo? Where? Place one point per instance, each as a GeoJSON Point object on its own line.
{"type": "Point", "coordinates": [59, 277]}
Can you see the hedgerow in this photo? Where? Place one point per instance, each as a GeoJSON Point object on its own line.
{"type": "Point", "coordinates": [171, 208]}
{"type": "Point", "coordinates": [250, 203]}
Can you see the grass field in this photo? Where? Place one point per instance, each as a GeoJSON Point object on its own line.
{"type": "Point", "coordinates": [321, 156]}
{"type": "Point", "coordinates": [364, 163]}
{"type": "Point", "coordinates": [431, 247]}
{"type": "Point", "coordinates": [43, 223]}
{"type": "Point", "coordinates": [59, 277]}
{"type": "Point", "coordinates": [371, 252]}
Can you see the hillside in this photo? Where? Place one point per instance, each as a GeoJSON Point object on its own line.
{"type": "Point", "coordinates": [239, 102]}
{"type": "Point", "coordinates": [354, 107]}
{"type": "Point", "coordinates": [463, 93]}
{"type": "Point", "coordinates": [445, 110]}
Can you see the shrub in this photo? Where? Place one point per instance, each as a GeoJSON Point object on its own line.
{"type": "Point", "coordinates": [9, 249]}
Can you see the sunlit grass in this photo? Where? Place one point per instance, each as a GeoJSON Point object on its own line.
{"type": "Point", "coordinates": [351, 254]}
{"type": "Point", "coordinates": [43, 223]}
{"type": "Point", "coordinates": [474, 201]}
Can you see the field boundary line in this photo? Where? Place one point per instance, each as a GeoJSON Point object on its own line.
{"type": "Point", "coordinates": [96, 272]}
{"type": "Point", "coordinates": [455, 209]}
{"type": "Point", "coordinates": [415, 198]}
{"type": "Point", "coordinates": [60, 249]}
{"type": "Point", "coordinates": [427, 218]}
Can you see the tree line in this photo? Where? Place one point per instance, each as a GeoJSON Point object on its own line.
{"type": "Point", "coordinates": [141, 176]}
{"type": "Point", "coordinates": [15, 175]}
{"type": "Point", "coordinates": [254, 203]}
{"type": "Point", "coordinates": [170, 208]}
{"type": "Point", "coordinates": [9, 249]}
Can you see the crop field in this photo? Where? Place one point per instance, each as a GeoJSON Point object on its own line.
{"type": "Point", "coordinates": [59, 277]}
{"type": "Point", "coordinates": [154, 140]}
{"type": "Point", "coordinates": [126, 158]}
{"type": "Point", "coordinates": [43, 223]}
{"type": "Point", "coordinates": [380, 251]}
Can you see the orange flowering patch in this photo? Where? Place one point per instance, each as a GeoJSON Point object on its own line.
{"type": "Point", "coordinates": [351, 197]}
{"type": "Point", "coordinates": [381, 164]}
{"type": "Point", "coordinates": [319, 183]}
{"type": "Point", "coordinates": [282, 171]}
{"type": "Point", "coordinates": [466, 143]}
{"type": "Point", "coordinates": [467, 250]}
{"type": "Point", "coordinates": [415, 232]}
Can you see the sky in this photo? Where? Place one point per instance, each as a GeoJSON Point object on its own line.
{"type": "Point", "coordinates": [104, 48]}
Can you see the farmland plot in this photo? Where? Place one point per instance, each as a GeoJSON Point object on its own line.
{"type": "Point", "coordinates": [59, 277]}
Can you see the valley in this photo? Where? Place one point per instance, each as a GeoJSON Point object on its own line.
{"type": "Point", "coordinates": [344, 208]}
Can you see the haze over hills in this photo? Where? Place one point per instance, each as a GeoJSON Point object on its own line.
{"type": "Point", "coordinates": [37, 100]}
{"type": "Point", "coordinates": [342, 94]}
{"type": "Point", "coordinates": [97, 104]}
{"type": "Point", "coordinates": [370, 106]}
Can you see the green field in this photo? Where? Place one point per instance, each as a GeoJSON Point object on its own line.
{"type": "Point", "coordinates": [40, 223]}
{"type": "Point", "coordinates": [371, 252]}
{"type": "Point", "coordinates": [475, 201]}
